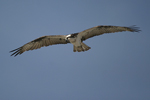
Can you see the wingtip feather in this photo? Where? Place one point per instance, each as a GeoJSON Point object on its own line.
{"type": "Point", "coordinates": [15, 52]}
{"type": "Point", "coordinates": [134, 28]}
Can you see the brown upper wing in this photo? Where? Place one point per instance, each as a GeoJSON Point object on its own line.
{"type": "Point", "coordinates": [99, 30]}
{"type": "Point", "coordinates": [40, 42]}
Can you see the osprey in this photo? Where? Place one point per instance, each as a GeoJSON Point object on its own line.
{"type": "Point", "coordinates": [76, 38]}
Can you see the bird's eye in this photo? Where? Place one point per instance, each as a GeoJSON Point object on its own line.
{"type": "Point", "coordinates": [72, 36]}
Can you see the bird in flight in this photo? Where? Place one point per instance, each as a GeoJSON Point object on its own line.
{"type": "Point", "coordinates": [76, 38]}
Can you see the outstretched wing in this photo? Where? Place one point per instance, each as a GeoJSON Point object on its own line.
{"type": "Point", "coordinates": [99, 30]}
{"type": "Point", "coordinates": [40, 42]}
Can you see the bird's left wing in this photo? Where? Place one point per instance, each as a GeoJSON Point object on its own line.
{"type": "Point", "coordinates": [99, 30]}
{"type": "Point", "coordinates": [41, 42]}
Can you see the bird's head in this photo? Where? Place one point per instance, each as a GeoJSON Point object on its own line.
{"type": "Point", "coordinates": [71, 36]}
{"type": "Point", "coordinates": [68, 36]}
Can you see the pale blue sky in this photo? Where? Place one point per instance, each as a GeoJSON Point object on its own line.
{"type": "Point", "coordinates": [117, 67]}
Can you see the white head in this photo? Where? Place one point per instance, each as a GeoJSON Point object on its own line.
{"type": "Point", "coordinates": [71, 36]}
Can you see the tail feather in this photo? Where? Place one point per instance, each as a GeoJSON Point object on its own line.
{"type": "Point", "coordinates": [83, 48]}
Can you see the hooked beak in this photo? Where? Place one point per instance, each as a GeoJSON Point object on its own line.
{"type": "Point", "coordinates": [66, 39]}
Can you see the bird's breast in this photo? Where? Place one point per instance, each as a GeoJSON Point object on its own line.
{"type": "Point", "coordinates": [72, 40]}
{"type": "Point", "coordinates": [75, 41]}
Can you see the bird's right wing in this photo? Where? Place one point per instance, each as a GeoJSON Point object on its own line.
{"type": "Point", "coordinates": [41, 42]}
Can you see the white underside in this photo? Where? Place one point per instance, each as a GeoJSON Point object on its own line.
{"type": "Point", "coordinates": [75, 41]}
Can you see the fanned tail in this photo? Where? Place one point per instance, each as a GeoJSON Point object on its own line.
{"type": "Point", "coordinates": [83, 48]}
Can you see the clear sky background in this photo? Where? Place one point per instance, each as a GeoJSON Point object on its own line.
{"type": "Point", "coordinates": [117, 67]}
